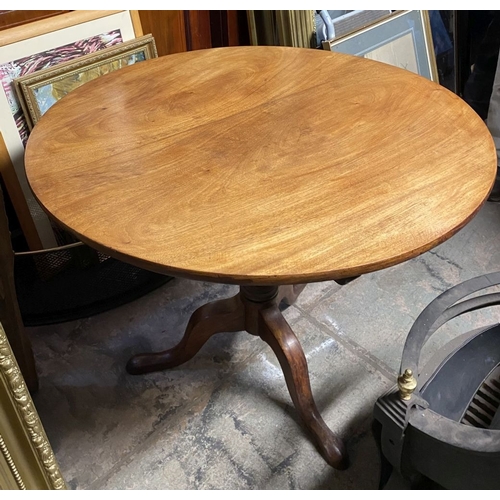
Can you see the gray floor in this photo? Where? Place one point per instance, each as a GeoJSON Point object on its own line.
{"type": "Point", "coordinates": [224, 420]}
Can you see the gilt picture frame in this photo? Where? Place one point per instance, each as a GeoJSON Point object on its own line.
{"type": "Point", "coordinates": [403, 39]}
{"type": "Point", "coordinates": [28, 48]}
{"type": "Point", "coordinates": [27, 460]}
{"type": "Point", "coordinates": [38, 91]}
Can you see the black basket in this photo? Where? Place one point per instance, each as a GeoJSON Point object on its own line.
{"type": "Point", "coordinates": [74, 281]}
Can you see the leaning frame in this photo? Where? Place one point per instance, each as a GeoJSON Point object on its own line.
{"type": "Point", "coordinates": [27, 86]}
{"type": "Point", "coordinates": [27, 42]}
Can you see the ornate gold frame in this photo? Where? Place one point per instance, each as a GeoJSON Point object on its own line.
{"type": "Point", "coordinates": [26, 86]}
{"type": "Point", "coordinates": [27, 461]}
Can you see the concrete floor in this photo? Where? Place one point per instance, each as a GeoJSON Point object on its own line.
{"type": "Point", "coordinates": [225, 420]}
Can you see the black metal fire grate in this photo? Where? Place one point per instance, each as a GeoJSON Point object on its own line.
{"type": "Point", "coordinates": [483, 409]}
{"type": "Point", "coordinates": [446, 433]}
{"type": "Point", "coordinates": [75, 281]}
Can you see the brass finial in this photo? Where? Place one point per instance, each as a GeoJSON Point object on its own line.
{"type": "Point", "coordinates": [407, 383]}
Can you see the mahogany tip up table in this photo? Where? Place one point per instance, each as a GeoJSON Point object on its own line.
{"type": "Point", "coordinates": [266, 167]}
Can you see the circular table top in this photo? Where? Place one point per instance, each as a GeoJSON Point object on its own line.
{"type": "Point", "coordinates": [261, 165]}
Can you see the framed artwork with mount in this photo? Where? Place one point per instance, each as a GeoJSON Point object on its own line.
{"type": "Point", "coordinates": [31, 47]}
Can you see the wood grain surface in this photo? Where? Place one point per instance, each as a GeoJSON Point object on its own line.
{"type": "Point", "coordinates": [261, 165]}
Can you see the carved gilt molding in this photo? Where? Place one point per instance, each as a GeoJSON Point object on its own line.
{"type": "Point", "coordinates": [12, 466]}
{"type": "Point", "coordinates": [29, 417]}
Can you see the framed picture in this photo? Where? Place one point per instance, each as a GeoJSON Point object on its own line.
{"type": "Point", "coordinates": [38, 91]}
{"type": "Point", "coordinates": [404, 40]}
{"type": "Point", "coordinates": [39, 45]}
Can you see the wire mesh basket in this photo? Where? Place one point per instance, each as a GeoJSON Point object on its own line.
{"type": "Point", "coordinates": [75, 281]}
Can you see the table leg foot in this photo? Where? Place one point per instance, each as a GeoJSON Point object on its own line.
{"type": "Point", "coordinates": [227, 315]}
{"type": "Point", "coordinates": [276, 332]}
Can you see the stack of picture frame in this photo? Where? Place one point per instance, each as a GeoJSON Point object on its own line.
{"type": "Point", "coordinates": [60, 278]}
{"type": "Point", "coordinates": [44, 45]}
{"type": "Point", "coordinates": [38, 91]}
{"type": "Point", "coordinates": [402, 38]}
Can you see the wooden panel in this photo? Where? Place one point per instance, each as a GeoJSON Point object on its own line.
{"type": "Point", "coordinates": [218, 28]}
{"type": "Point", "coordinates": [11, 18]}
{"type": "Point", "coordinates": [136, 23]}
{"type": "Point", "coordinates": [198, 34]}
{"type": "Point", "coordinates": [228, 28]}
{"type": "Point", "coordinates": [234, 28]}
{"type": "Point", "coordinates": [167, 27]}
{"type": "Point", "coordinates": [10, 315]}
